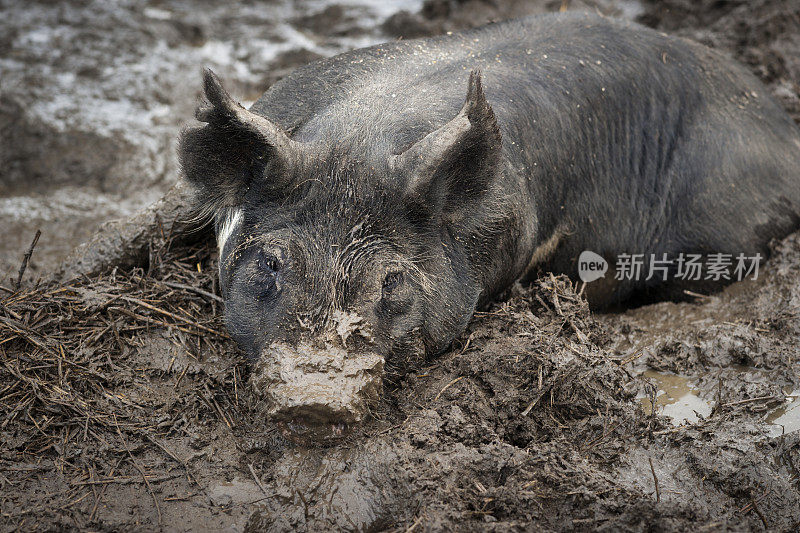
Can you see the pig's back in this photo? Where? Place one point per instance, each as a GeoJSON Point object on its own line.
{"type": "Point", "coordinates": [623, 138]}
{"type": "Point", "coordinates": [571, 64]}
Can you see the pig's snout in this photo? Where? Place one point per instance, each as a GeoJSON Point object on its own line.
{"type": "Point", "coordinates": [317, 394]}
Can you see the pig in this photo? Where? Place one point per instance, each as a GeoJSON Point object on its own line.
{"type": "Point", "coordinates": [367, 204]}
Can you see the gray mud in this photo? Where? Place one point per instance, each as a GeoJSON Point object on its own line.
{"type": "Point", "coordinates": [124, 406]}
{"type": "Point", "coordinates": [93, 95]}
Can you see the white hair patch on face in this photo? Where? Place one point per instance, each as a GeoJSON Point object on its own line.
{"type": "Point", "coordinates": [232, 220]}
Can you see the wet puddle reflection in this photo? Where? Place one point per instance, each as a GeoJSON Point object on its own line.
{"type": "Point", "coordinates": [675, 398]}
{"type": "Point", "coordinates": [678, 398]}
{"type": "Point", "coordinates": [786, 418]}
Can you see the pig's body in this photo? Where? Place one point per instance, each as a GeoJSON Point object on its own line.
{"type": "Point", "coordinates": [365, 208]}
{"type": "Point", "coordinates": [616, 139]}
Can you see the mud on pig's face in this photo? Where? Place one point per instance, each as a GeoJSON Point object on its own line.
{"type": "Point", "coordinates": [318, 296]}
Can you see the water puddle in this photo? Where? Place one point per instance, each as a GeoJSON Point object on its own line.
{"type": "Point", "coordinates": [676, 398]}
{"type": "Point", "coordinates": [786, 418]}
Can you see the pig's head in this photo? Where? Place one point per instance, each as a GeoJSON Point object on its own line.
{"type": "Point", "coordinates": [337, 263]}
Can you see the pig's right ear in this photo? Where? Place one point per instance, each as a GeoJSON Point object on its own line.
{"type": "Point", "coordinates": [235, 147]}
{"type": "Point", "coordinates": [450, 168]}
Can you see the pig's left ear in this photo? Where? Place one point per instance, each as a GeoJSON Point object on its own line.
{"type": "Point", "coordinates": [454, 165]}
{"type": "Point", "coordinates": [222, 158]}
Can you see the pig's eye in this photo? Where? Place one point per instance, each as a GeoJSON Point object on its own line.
{"type": "Point", "coordinates": [266, 278]}
{"type": "Point", "coordinates": [270, 264]}
{"type": "Point", "coordinates": [392, 281]}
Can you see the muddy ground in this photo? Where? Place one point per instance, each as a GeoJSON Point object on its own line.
{"type": "Point", "coordinates": [124, 406]}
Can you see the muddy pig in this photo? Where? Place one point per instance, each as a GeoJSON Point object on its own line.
{"type": "Point", "coordinates": [368, 203]}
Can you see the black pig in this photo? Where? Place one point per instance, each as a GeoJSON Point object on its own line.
{"type": "Point", "coordinates": [365, 206]}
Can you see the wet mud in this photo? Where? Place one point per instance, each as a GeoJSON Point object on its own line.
{"type": "Point", "coordinates": [93, 96]}
{"type": "Point", "coordinates": [124, 405]}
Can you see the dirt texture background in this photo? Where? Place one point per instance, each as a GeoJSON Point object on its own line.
{"type": "Point", "coordinates": [124, 406]}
